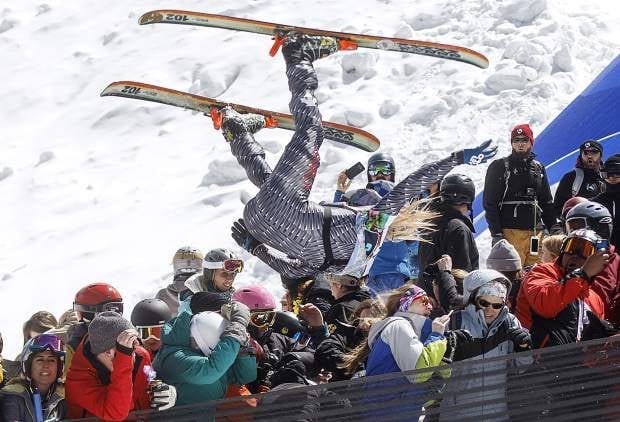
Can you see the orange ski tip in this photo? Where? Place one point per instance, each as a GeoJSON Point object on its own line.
{"type": "Point", "coordinates": [216, 116]}
{"type": "Point", "coordinates": [347, 45]}
{"type": "Point", "coordinates": [277, 43]}
{"type": "Point", "coordinates": [271, 122]}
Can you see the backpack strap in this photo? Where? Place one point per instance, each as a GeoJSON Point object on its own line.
{"type": "Point", "coordinates": [327, 246]}
{"type": "Point", "coordinates": [578, 181]}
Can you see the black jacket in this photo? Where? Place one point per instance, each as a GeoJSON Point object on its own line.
{"type": "Point", "coordinates": [527, 181]}
{"type": "Point", "coordinates": [454, 237]}
{"type": "Point", "coordinates": [343, 309]}
{"type": "Point", "coordinates": [611, 200]}
{"type": "Point", "coordinates": [591, 186]}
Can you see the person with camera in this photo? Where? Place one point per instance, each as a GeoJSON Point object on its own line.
{"type": "Point", "coordinates": [556, 300]}
{"type": "Point", "coordinates": [109, 374]}
{"type": "Point", "coordinates": [517, 197]}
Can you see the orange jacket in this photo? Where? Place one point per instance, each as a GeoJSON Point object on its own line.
{"type": "Point", "coordinates": [543, 293]}
{"type": "Point", "coordinates": [89, 393]}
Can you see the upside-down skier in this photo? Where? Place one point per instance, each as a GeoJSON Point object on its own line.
{"type": "Point", "coordinates": [295, 236]}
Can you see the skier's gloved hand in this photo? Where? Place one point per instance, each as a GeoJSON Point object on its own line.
{"type": "Point", "coordinates": [455, 341]}
{"type": "Point", "coordinates": [480, 154]}
{"type": "Point", "coordinates": [239, 316]}
{"type": "Point", "coordinates": [521, 339]}
{"type": "Point", "coordinates": [163, 396]}
{"type": "Point", "coordinates": [243, 238]}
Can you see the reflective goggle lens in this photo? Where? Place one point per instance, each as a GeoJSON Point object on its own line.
{"type": "Point", "coordinates": [385, 169]}
{"type": "Point", "coordinates": [233, 265]}
{"type": "Point", "coordinates": [262, 319]}
{"type": "Point", "coordinates": [146, 332]}
{"type": "Point", "coordinates": [576, 223]}
{"type": "Point", "coordinates": [578, 247]}
{"type": "Point", "coordinates": [44, 342]}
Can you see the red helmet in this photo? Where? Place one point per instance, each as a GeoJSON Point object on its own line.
{"type": "Point", "coordinates": [255, 297]}
{"type": "Point", "coordinates": [97, 297]}
{"type": "Point", "coordinates": [569, 204]}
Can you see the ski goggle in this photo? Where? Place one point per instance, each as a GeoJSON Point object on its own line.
{"type": "Point", "coordinates": [485, 304]}
{"type": "Point", "coordinates": [262, 318]}
{"type": "Point", "coordinates": [380, 168]}
{"type": "Point", "coordinates": [152, 331]}
{"type": "Point", "coordinates": [578, 246]}
{"type": "Point", "coordinates": [95, 309]}
{"type": "Point", "coordinates": [230, 265]}
{"type": "Point", "coordinates": [46, 342]}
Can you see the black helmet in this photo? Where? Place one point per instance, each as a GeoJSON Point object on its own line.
{"type": "Point", "coordinates": [381, 157]}
{"type": "Point", "coordinates": [216, 255]}
{"type": "Point", "coordinates": [457, 189]}
{"type": "Point", "coordinates": [590, 215]}
{"type": "Point", "coordinates": [150, 313]}
{"type": "Point", "coordinates": [611, 166]}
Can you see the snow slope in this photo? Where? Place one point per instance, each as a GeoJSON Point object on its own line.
{"type": "Point", "coordinates": [106, 189]}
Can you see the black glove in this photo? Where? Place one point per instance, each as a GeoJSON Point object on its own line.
{"type": "Point", "coordinates": [243, 238]}
{"type": "Point", "coordinates": [597, 328]}
{"type": "Point", "coordinates": [521, 339]}
{"type": "Point", "coordinates": [455, 341]}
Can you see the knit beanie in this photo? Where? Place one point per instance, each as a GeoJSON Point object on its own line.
{"type": "Point", "coordinates": [478, 278]}
{"type": "Point", "coordinates": [410, 295]}
{"type": "Point", "coordinates": [104, 329]}
{"type": "Point", "coordinates": [522, 131]}
{"type": "Point", "coordinates": [504, 257]}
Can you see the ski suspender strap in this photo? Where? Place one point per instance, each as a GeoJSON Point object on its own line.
{"type": "Point", "coordinates": [578, 180]}
{"type": "Point", "coordinates": [327, 246]}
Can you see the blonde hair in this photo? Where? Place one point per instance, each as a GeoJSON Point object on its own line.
{"type": "Point", "coordinates": [413, 222]}
{"type": "Point", "coordinates": [386, 306]}
{"type": "Point", "coordinates": [553, 244]}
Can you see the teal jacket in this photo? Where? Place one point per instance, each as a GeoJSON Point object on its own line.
{"type": "Point", "coordinates": [200, 378]}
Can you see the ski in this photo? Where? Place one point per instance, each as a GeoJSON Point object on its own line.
{"type": "Point", "coordinates": [347, 41]}
{"type": "Point", "coordinates": [337, 132]}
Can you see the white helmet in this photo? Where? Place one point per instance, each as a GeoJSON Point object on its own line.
{"type": "Point", "coordinates": [206, 329]}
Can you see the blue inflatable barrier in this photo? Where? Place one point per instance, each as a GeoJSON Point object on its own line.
{"type": "Point", "coordinates": [594, 114]}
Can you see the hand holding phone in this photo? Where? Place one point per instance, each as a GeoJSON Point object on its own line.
{"type": "Point", "coordinates": [354, 170]}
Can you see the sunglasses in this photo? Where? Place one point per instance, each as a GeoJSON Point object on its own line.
{"type": "Point", "coordinates": [153, 331]}
{"type": "Point", "coordinates": [262, 318]}
{"type": "Point", "coordinates": [44, 342]}
{"type": "Point", "coordinates": [520, 141]}
{"type": "Point", "coordinates": [485, 304]}
{"type": "Point", "coordinates": [385, 169]}
{"type": "Point", "coordinates": [95, 309]}
{"type": "Point", "coordinates": [423, 299]}
{"type": "Point", "coordinates": [229, 265]}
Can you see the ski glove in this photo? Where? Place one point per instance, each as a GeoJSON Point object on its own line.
{"type": "Point", "coordinates": [521, 339]}
{"type": "Point", "coordinates": [455, 340]}
{"type": "Point", "coordinates": [163, 396]}
{"type": "Point", "coordinates": [243, 238]}
{"type": "Point", "coordinates": [480, 154]}
{"type": "Point", "coordinates": [239, 316]}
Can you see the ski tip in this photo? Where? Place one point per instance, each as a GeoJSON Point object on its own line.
{"type": "Point", "coordinates": [154, 16]}
{"type": "Point", "coordinates": [107, 90]}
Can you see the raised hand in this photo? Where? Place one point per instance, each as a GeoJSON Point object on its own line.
{"type": "Point", "coordinates": [242, 236]}
{"type": "Point", "coordinates": [480, 154]}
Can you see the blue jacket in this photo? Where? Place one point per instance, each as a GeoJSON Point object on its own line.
{"type": "Point", "coordinates": [403, 342]}
{"type": "Point", "coordinates": [200, 378]}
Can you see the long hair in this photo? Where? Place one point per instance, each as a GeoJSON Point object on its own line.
{"type": "Point", "coordinates": [387, 307]}
{"type": "Point", "coordinates": [413, 222]}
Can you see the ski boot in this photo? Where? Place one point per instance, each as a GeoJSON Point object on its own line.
{"type": "Point", "coordinates": [234, 123]}
{"type": "Point", "coordinates": [301, 47]}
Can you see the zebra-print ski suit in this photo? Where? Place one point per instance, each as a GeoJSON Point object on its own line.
{"type": "Point", "coordinates": [280, 216]}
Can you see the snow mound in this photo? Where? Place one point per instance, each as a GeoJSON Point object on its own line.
{"type": "Point", "coordinates": [6, 172]}
{"type": "Point", "coordinates": [223, 173]}
{"type": "Point", "coordinates": [522, 12]}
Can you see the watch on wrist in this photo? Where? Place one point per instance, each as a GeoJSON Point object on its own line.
{"type": "Point", "coordinates": [579, 272]}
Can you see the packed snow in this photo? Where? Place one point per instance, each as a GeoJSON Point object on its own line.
{"type": "Point", "coordinates": [106, 189]}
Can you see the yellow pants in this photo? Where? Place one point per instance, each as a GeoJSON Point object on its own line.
{"type": "Point", "coordinates": [520, 239]}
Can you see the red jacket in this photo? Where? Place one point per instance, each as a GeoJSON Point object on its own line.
{"type": "Point", "coordinates": [606, 285]}
{"type": "Point", "coordinates": [542, 293]}
{"type": "Point", "coordinates": [91, 390]}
